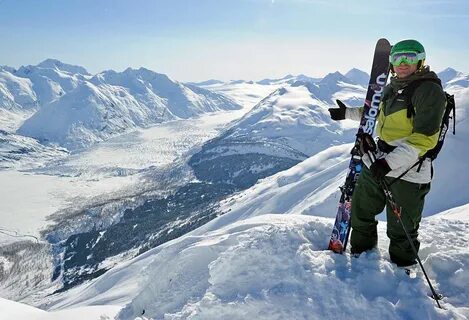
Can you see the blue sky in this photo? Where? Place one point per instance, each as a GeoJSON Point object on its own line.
{"type": "Point", "coordinates": [196, 40]}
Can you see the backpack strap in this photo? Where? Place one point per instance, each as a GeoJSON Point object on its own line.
{"type": "Point", "coordinates": [409, 90]}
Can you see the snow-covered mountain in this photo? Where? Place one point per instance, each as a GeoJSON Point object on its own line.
{"type": "Point", "coordinates": [206, 83]}
{"type": "Point", "coordinates": [358, 76]}
{"type": "Point", "coordinates": [451, 77]}
{"type": "Point", "coordinates": [58, 65]}
{"type": "Point", "coordinates": [240, 258]}
{"type": "Point", "coordinates": [76, 109]}
{"type": "Point", "coordinates": [286, 127]}
{"type": "Point", "coordinates": [49, 82]}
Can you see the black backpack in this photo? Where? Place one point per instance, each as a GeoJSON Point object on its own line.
{"type": "Point", "coordinates": [407, 93]}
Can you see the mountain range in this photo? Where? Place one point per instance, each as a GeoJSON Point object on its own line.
{"type": "Point", "coordinates": [73, 109]}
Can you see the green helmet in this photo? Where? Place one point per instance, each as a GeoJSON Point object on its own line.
{"type": "Point", "coordinates": [410, 45]}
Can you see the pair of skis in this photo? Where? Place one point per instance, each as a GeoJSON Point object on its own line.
{"type": "Point", "coordinates": [378, 77]}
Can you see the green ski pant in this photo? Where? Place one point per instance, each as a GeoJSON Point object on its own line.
{"type": "Point", "coordinates": [369, 200]}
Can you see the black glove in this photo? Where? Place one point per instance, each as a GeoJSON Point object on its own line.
{"type": "Point", "coordinates": [379, 169]}
{"type": "Point", "coordinates": [338, 113]}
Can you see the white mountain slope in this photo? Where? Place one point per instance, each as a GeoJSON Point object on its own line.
{"type": "Point", "coordinates": [87, 115]}
{"type": "Point", "coordinates": [16, 93]}
{"type": "Point", "coordinates": [50, 82]}
{"type": "Point", "coordinates": [250, 92]}
{"type": "Point", "coordinates": [293, 116]}
{"type": "Point", "coordinates": [64, 67]}
{"type": "Point", "coordinates": [112, 103]}
{"type": "Point", "coordinates": [18, 311]}
{"type": "Point", "coordinates": [358, 76]}
{"type": "Point", "coordinates": [449, 74]}
{"type": "Point", "coordinates": [288, 79]}
{"type": "Point", "coordinates": [18, 101]}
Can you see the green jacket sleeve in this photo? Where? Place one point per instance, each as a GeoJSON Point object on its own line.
{"type": "Point", "coordinates": [429, 104]}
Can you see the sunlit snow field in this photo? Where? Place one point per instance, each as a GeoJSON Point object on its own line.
{"type": "Point", "coordinates": [28, 197]}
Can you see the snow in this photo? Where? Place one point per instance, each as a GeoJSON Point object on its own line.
{"type": "Point", "coordinates": [14, 310]}
{"type": "Point", "coordinates": [265, 257]}
{"type": "Point", "coordinates": [105, 170]}
{"type": "Point", "coordinates": [292, 117]}
{"type": "Point", "coordinates": [25, 207]}
{"type": "Point", "coordinates": [56, 64]}
{"type": "Point", "coordinates": [277, 267]}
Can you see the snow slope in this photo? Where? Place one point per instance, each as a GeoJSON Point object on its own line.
{"type": "Point", "coordinates": [17, 311]}
{"type": "Point", "coordinates": [249, 92]}
{"type": "Point", "coordinates": [122, 164]}
{"type": "Point", "coordinates": [18, 101]}
{"type": "Point", "coordinates": [276, 267]}
{"type": "Point", "coordinates": [112, 103]}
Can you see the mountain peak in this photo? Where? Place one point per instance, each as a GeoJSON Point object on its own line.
{"type": "Point", "coordinates": [448, 74]}
{"type": "Point", "coordinates": [333, 78]}
{"type": "Point", "coordinates": [358, 76]}
{"type": "Point", "coordinates": [56, 64]}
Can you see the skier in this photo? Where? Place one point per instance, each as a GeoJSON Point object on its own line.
{"type": "Point", "coordinates": [402, 139]}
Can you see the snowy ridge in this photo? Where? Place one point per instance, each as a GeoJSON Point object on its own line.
{"type": "Point", "coordinates": [16, 92]}
{"type": "Point", "coordinates": [56, 64]}
{"type": "Point", "coordinates": [288, 79]}
{"type": "Point", "coordinates": [49, 84]}
{"type": "Point", "coordinates": [292, 116]}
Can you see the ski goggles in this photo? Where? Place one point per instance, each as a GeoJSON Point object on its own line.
{"type": "Point", "coordinates": [409, 57]}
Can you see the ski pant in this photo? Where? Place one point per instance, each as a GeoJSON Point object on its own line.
{"type": "Point", "coordinates": [369, 200]}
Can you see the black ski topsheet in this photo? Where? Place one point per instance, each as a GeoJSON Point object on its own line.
{"type": "Point", "coordinates": [378, 77]}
